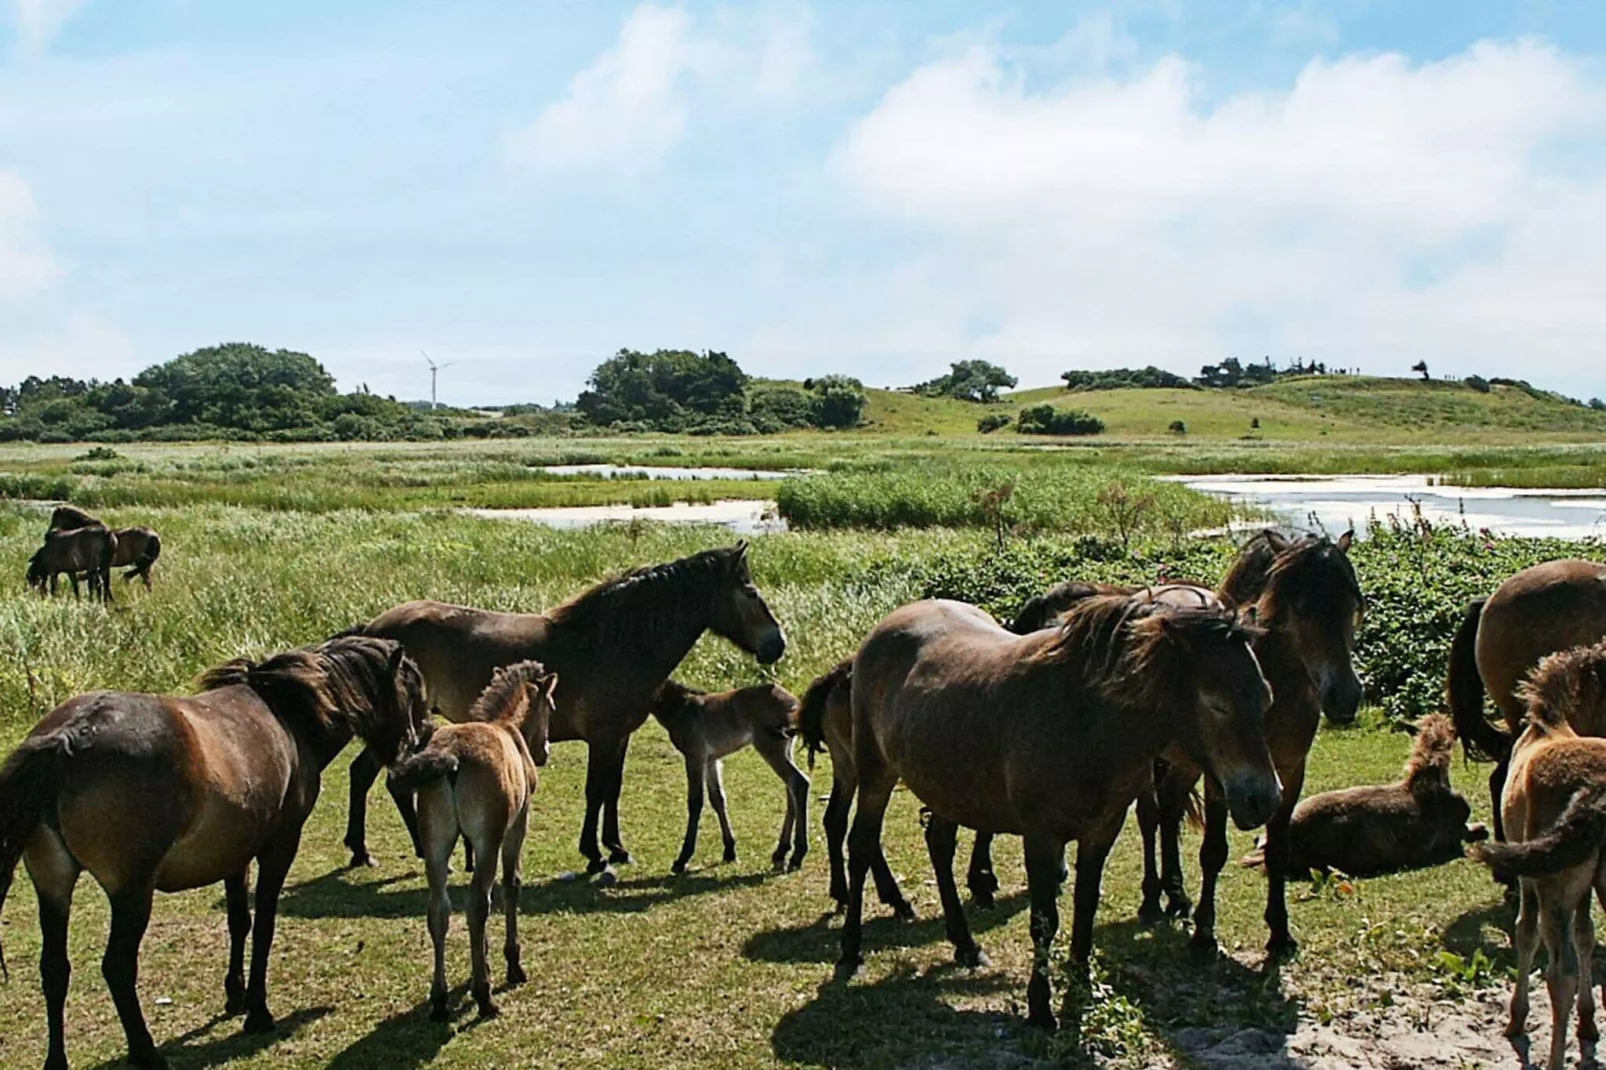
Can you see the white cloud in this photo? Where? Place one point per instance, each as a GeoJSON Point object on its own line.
{"type": "Point", "coordinates": [38, 21]}
{"type": "Point", "coordinates": [26, 267]}
{"type": "Point", "coordinates": [628, 109]}
{"type": "Point", "coordinates": [1377, 211]}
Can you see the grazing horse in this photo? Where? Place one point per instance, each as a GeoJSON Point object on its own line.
{"type": "Point", "coordinates": [1049, 736]}
{"type": "Point", "coordinates": [1554, 804]}
{"type": "Point", "coordinates": [1541, 610]}
{"type": "Point", "coordinates": [67, 517]}
{"type": "Point", "coordinates": [156, 793]}
{"type": "Point", "coordinates": [73, 551]}
{"type": "Point", "coordinates": [476, 779]}
{"type": "Point", "coordinates": [614, 645]}
{"type": "Point", "coordinates": [706, 729]}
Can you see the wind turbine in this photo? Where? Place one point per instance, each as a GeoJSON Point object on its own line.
{"type": "Point", "coordinates": [434, 369]}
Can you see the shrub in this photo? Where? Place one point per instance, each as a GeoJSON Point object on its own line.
{"type": "Point", "coordinates": [1478, 383]}
{"type": "Point", "coordinates": [1047, 420]}
{"type": "Point", "coordinates": [838, 401]}
{"type": "Point", "coordinates": [780, 408]}
{"type": "Point", "coordinates": [993, 421]}
{"type": "Point", "coordinates": [1177, 427]}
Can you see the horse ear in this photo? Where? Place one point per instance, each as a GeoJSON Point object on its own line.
{"type": "Point", "coordinates": [741, 550]}
{"type": "Point", "coordinates": [1345, 540]}
{"type": "Point", "coordinates": [1250, 615]}
{"type": "Point", "coordinates": [549, 686]}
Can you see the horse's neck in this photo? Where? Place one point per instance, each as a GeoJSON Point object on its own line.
{"type": "Point", "coordinates": [1281, 663]}
{"type": "Point", "coordinates": [649, 661]}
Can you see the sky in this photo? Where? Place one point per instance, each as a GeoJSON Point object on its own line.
{"type": "Point", "coordinates": [869, 187]}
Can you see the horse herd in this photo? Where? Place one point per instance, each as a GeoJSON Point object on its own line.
{"type": "Point", "coordinates": [1049, 729]}
{"type": "Point", "coordinates": [79, 545]}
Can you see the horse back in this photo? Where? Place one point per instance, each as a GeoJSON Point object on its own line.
{"type": "Point", "coordinates": [1549, 607]}
{"type": "Point", "coordinates": [458, 648]}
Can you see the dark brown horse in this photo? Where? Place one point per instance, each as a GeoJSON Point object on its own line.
{"type": "Point", "coordinates": [1049, 736]}
{"type": "Point", "coordinates": [155, 793]}
{"type": "Point", "coordinates": [139, 548]}
{"type": "Point", "coordinates": [613, 645]}
{"type": "Point", "coordinates": [67, 517]}
{"type": "Point", "coordinates": [1541, 610]}
{"type": "Point", "coordinates": [708, 728]}
{"type": "Point", "coordinates": [89, 551]}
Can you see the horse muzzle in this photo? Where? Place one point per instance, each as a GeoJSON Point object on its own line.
{"type": "Point", "coordinates": [770, 647]}
{"type": "Point", "coordinates": [1252, 798]}
{"type": "Point", "coordinates": [1341, 697]}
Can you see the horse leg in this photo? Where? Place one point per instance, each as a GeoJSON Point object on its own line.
{"type": "Point", "coordinates": [980, 878]}
{"type": "Point", "coordinates": [273, 865]}
{"type": "Point", "coordinates": [617, 855]}
{"type": "Point", "coordinates": [941, 837]}
{"type": "Point", "coordinates": [1043, 859]}
{"type": "Point", "coordinates": [715, 771]}
{"type": "Point", "coordinates": [886, 885]}
{"type": "Point", "coordinates": [440, 919]}
{"type": "Point", "coordinates": [479, 910]}
{"type": "Point", "coordinates": [598, 760]}
{"type": "Point", "coordinates": [1212, 857]}
{"type": "Point", "coordinates": [864, 847]}
{"type": "Point", "coordinates": [694, 812]}
{"type": "Point", "coordinates": [364, 771]}
{"type": "Point", "coordinates": [1279, 853]}
{"type": "Point", "coordinates": [1149, 911]}
{"type": "Point", "coordinates": [407, 807]}
{"type": "Point", "coordinates": [777, 754]}
{"type": "Point", "coordinates": [55, 874]}
{"type": "Point", "coordinates": [1497, 787]}
{"type": "Point", "coordinates": [1172, 794]}
{"type": "Point", "coordinates": [236, 893]}
{"type": "Point", "coordinates": [1561, 973]}
{"type": "Point", "coordinates": [836, 833]}
{"type": "Point", "coordinates": [512, 854]}
{"type": "Point", "coordinates": [1584, 945]}
{"type": "Point", "coordinates": [1526, 940]}
{"type": "Point", "coordinates": [131, 913]}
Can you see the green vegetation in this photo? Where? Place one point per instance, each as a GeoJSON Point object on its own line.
{"type": "Point", "coordinates": [969, 380]}
{"type": "Point", "coordinates": [1149, 378]}
{"type": "Point", "coordinates": [1047, 420]}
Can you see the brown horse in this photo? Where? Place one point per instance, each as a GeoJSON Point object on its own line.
{"type": "Point", "coordinates": [155, 793]}
{"type": "Point", "coordinates": [706, 729]}
{"type": "Point", "coordinates": [137, 547]}
{"type": "Point", "coordinates": [1555, 814]}
{"type": "Point", "coordinates": [67, 517]}
{"type": "Point", "coordinates": [77, 550]}
{"type": "Point", "coordinates": [476, 779]}
{"type": "Point", "coordinates": [613, 645]}
{"type": "Point", "coordinates": [1048, 736]}
{"type": "Point", "coordinates": [1541, 610]}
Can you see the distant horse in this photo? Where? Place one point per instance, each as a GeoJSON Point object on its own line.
{"type": "Point", "coordinates": [1554, 805]}
{"type": "Point", "coordinates": [157, 793]}
{"type": "Point", "coordinates": [1541, 610]}
{"type": "Point", "coordinates": [88, 551]}
{"type": "Point", "coordinates": [614, 645]}
{"type": "Point", "coordinates": [476, 779]}
{"type": "Point", "coordinates": [67, 517]}
{"type": "Point", "coordinates": [708, 728]}
{"type": "Point", "coordinates": [1049, 736]}
{"type": "Point", "coordinates": [139, 547]}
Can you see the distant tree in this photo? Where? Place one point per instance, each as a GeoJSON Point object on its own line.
{"type": "Point", "coordinates": [668, 390]}
{"type": "Point", "coordinates": [778, 408]}
{"type": "Point", "coordinates": [1421, 368]}
{"type": "Point", "coordinates": [1047, 420]}
{"type": "Point", "coordinates": [838, 401]}
{"type": "Point", "coordinates": [1478, 383]}
{"type": "Point", "coordinates": [238, 385]}
{"type": "Point", "coordinates": [1597, 404]}
{"type": "Point", "coordinates": [969, 380]}
{"type": "Point", "coordinates": [992, 422]}
{"type": "Point", "coordinates": [1149, 378]}
{"type": "Point", "coordinates": [1177, 427]}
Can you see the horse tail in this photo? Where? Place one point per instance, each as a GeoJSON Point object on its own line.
{"type": "Point", "coordinates": [811, 713]}
{"type": "Point", "coordinates": [423, 769]}
{"type": "Point", "coordinates": [28, 784]}
{"type": "Point", "coordinates": [142, 566]}
{"type": "Point", "coordinates": [1479, 737]}
{"type": "Point", "coordinates": [1577, 835]}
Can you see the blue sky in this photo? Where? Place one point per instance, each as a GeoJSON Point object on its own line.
{"type": "Point", "coordinates": [874, 188]}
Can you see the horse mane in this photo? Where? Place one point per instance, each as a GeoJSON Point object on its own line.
{"type": "Point", "coordinates": [348, 682]}
{"type": "Point", "coordinates": [1290, 576]}
{"type": "Point", "coordinates": [507, 697]}
{"type": "Point", "coordinates": [1429, 764]}
{"type": "Point", "coordinates": [625, 611]}
{"type": "Point", "coordinates": [1040, 611]}
{"type": "Point", "coordinates": [1567, 687]}
{"type": "Point", "coordinates": [1246, 579]}
{"type": "Point", "coordinates": [811, 709]}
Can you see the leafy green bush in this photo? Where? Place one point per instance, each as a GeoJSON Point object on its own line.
{"type": "Point", "coordinates": [1149, 378]}
{"type": "Point", "coordinates": [1045, 419]}
{"type": "Point", "coordinates": [1477, 383]}
{"type": "Point", "coordinates": [993, 421]}
{"type": "Point", "coordinates": [838, 401]}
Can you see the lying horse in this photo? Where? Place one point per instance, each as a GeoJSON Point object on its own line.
{"type": "Point", "coordinates": [614, 645]}
{"type": "Point", "coordinates": [1365, 831]}
{"type": "Point", "coordinates": [1541, 610]}
{"type": "Point", "coordinates": [1049, 736]}
{"type": "Point", "coordinates": [1554, 805]}
{"type": "Point", "coordinates": [89, 551]}
{"type": "Point", "coordinates": [706, 729]}
{"type": "Point", "coordinates": [155, 793]}
{"type": "Point", "coordinates": [476, 779]}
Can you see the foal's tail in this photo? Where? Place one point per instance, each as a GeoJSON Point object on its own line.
{"type": "Point", "coordinates": [813, 711]}
{"type": "Point", "coordinates": [142, 567]}
{"type": "Point", "coordinates": [1577, 835]}
{"type": "Point", "coordinates": [28, 784]}
{"type": "Point", "coordinates": [424, 769]}
{"type": "Point", "coordinates": [1479, 737]}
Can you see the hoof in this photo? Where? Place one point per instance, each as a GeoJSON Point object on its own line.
{"type": "Point", "coordinates": [1282, 946]}
{"type": "Point", "coordinates": [848, 968]}
{"type": "Point", "coordinates": [1179, 906]}
{"type": "Point", "coordinates": [259, 1021]}
{"type": "Point", "coordinates": [795, 864]}
{"type": "Point", "coordinates": [839, 907]}
{"type": "Point", "coordinates": [607, 878]}
{"type": "Point", "coordinates": [55, 1061]}
{"type": "Point", "coordinates": [488, 1008]}
{"type": "Point", "coordinates": [233, 999]}
{"type": "Point", "coordinates": [982, 899]}
{"type": "Point", "coordinates": [730, 852]}
{"type": "Point", "coordinates": [1202, 944]}
{"type": "Point", "coordinates": [145, 1060]}
{"type": "Point", "coordinates": [778, 861]}
{"type": "Point", "coordinates": [1150, 915]}
{"type": "Point", "coordinates": [515, 975]}
{"type": "Point", "coordinates": [1043, 1020]}
{"type": "Point", "coordinates": [972, 958]}
{"type": "Point", "coordinates": [903, 912]}
{"type": "Point", "coordinates": [618, 856]}
{"type": "Point", "coordinates": [361, 860]}
{"type": "Point", "coordinates": [438, 1011]}
{"type": "Point", "coordinates": [678, 867]}
{"type": "Point", "coordinates": [595, 866]}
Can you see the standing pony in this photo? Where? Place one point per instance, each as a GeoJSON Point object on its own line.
{"type": "Point", "coordinates": [1048, 736]}
{"type": "Point", "coordinates": [1541, 610]}
{"type": "Point", "coordinates": [476, 779]}
{"type": "Point", "coordinates": [614, 645]}
{"type": "Point", "coordinates": [139, 548]}
{"type": "Point", "coordinates": [76, 550]}
{"type": "Point", "coordinates": [707, 729]}
{"type": "Point", "coordinates": [156, 793]}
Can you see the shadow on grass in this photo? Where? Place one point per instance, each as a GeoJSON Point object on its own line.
{"type": "Point", "coordinates": [342, 893]}
{"type": "Point", "coordinates": [821, 941]}
{"type": "Point", "coordinates": [1487, 929]}
{"type": "Point", "coordinates": [409, 1039]}
{"type": "Point", "coordinates": [236, 1044]}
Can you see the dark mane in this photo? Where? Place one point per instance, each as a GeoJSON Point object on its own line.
{"type": "Point", "coordinates": [1567, 686]}
{"type": "Point", "coordinates": [507, 696]}
{"type": "Point", "coordinates": [1312, 571]}
{"type": "Point", "coordinates": [1246, 579]}
{"type": "Point", "coordinates": [627, 611]}
{"type": "Point", "coordinates": [1429, 764]}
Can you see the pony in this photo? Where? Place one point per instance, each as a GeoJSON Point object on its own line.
{"type": "Point", "coordinates": [614, 645]}
{"type": "Point", "coordinates": [67, 517]}
{"type": "Point", "coordinates": [87, 550]}
{"type": "Point", "coordinates": [156, 793]}
{"type": "Point", "coordinates": [706, 729]}
{"type": "Point", "coordinates": [1541, 610]}
{"type": "Point", "coordinates": [1554, 807]}
{"type": "Point", "coordinates": [476, 779]}
{"type": "Point", "coordinates": [1049, 736]}
{"type": "Point", "coordinates": [137, 547]}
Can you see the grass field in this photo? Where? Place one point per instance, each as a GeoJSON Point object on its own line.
{"type": "Point", "coordinates": [729, 964]}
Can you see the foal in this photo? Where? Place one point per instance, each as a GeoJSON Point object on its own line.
{"type": "Point", "coordinates": [88, 550]}
{"type": "Point", "coordinates": [1554, 805]}
{"type": "Point", "coordinates": [707, 729]}
{"type": "Point", "coordinates": [476, 779]}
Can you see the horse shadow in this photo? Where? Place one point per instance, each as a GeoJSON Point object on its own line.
{"type": "Point", "coordinates": [236, 1044]}
{"type": "Point", "coordinates": [1470, 933]}
{"type": "Point", "coordinates": [337, 895]}
{"type": "Point", "coordinates": [820, 941]}
{"type": "Point", "coordinates": [409, 1038]}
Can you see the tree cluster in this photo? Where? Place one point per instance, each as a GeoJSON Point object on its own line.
{"type": "Point", "coordinates": [1149, 378]}
{"type": "Point", "coordinates": [968, 380]}
{"type": "Point", "coordinates": [1047, 420]}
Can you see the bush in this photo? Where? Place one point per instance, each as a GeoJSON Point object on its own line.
{"type": "Point", "coordinates": [1478, 383]}
{"type": "Point", "coordinates": [993, 421]}
{"type": "Point", "coordinates": [1150, 378]}
{"type": "Point", "coordinates": [779, 409]}
{"type": "Point", "coordinates": [838, 401]}
{"type": "Point", "coordinates": [1047, 420]}
{"type": "Point", "coordinates": [1177, 427]}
